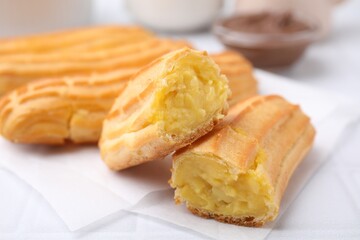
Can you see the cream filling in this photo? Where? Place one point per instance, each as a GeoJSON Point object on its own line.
{"type": "Point", "coordinates": [207, 183]}
{"type": "Point", "coordinates": [192, 93]}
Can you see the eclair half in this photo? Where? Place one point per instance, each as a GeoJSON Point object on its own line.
{"type": "Point", "coordinates": [168, 104]}
{"type": "Point", "coordinates": [238, 173]}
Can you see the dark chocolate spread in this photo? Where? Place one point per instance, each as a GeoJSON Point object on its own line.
{"type": "Point", "coordinates": [267, 22]}
{"type": "Point", "coordinates": [267, 39]}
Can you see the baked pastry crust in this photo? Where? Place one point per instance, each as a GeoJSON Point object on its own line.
{"type": "Point", "coordinates": [168, 104]}
{"type": "Point", "coordinates": [238, 173]}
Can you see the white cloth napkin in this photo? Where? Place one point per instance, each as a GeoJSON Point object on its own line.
{"type": "Point", "coordinates": [82, 190]}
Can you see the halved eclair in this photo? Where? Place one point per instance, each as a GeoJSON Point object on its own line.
{"type": "Point", "coordinates": [238, 173]}
{"type": "Point", "coordinates": [168, 104]}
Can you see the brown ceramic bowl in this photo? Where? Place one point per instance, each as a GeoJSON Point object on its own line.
{"type": "Point", "coordinates": [266, 49]}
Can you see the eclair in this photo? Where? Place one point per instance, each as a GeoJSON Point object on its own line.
{"type": "Point", "coordinates": [167, 105]}
{"type": "Point", "coordinates": [238, 173]}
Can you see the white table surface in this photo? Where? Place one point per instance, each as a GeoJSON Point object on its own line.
{"type": "Point", "coordinates": [333, 64]}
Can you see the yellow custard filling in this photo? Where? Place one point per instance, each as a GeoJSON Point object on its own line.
{"type": "Point", "coordinates": [205, 182]}
{"type": "Point", "coordinates": [190, 94]}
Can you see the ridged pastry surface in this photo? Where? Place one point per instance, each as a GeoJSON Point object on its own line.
{"type": "Point", "coordinates": [168, 104]}
{"type": "Point", "coordinates": [238, 173]}
{"type": "Point", "coordinates": [69, 53]}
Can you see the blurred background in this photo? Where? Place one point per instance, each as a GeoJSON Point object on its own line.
{"type": "Point", "coordinates": [312, 41]}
